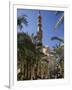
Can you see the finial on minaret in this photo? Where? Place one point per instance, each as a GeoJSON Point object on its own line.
{"type": "Point", "coordinates": [39, 12]}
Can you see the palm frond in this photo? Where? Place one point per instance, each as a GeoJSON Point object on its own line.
{"type": "Point", "coordinates": [58, 38]}
{"type": "Point", "coordinates": [58, 23]}
{"type": "Point", "coordinates": [57, 12]}
{"type": "Point", "coordinates": [22, 20]}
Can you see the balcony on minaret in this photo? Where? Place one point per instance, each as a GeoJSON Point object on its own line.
{"type": "Point", "coordinates": [39, 20]}
{"type": "Point", "coordinates": [39, 35]}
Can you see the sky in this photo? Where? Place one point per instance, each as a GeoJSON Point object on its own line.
{"type": "Point", "coordinates": [49, 19]}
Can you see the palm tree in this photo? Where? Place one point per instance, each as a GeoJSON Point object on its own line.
{"type": "Point", "coordinates": [20, 44]}
{"type": "Point", "coordinates": [22, 20]}
{"type": "Point", "coordinates": [26, 54]}
{"type": "Point", "coordinates": [58, 52]}
{"type": "Point", "coordinates": [59, 49]}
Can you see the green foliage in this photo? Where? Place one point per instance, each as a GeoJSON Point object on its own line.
{"type": "Point", "coordinates": [22, 20]}
{"type": "Point", "coordinates": [26, 51]}
{"type": "Point", "coordinates": [57, 38]}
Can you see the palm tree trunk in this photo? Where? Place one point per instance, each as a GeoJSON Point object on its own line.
{"type": "Point", "coordinates": [24, 71]}
{"type": "Point", "coordinates": [27, 71]}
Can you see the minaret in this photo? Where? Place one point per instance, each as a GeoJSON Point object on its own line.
{"type": "Point", "coordinates": [39, 30]}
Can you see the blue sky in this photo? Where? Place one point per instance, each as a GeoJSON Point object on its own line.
{"type": "Point", "coordinates": [49, 19]}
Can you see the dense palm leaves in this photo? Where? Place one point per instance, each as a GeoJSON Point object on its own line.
{"type": "Point", "coordinates": [26, 55]}
{"type": "Point", "coordinates": [58, 52]}
{"type": "Point", "coordinates": [25, 51]}
{"type": "Point", "coordinates": [22, 20]}
{"type": "Point", "coordinates": [29, 58]}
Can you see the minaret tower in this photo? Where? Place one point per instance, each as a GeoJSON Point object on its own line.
{"type": "Point", "coordinates": [39, 30]}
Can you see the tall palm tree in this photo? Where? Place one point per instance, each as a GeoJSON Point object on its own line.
{"type": "Point", "coordinates": [58, 52]}
{"type": "Point", "coordinates": [21, 20]}
{"type": "Point", "coordinates": [26, 54]}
